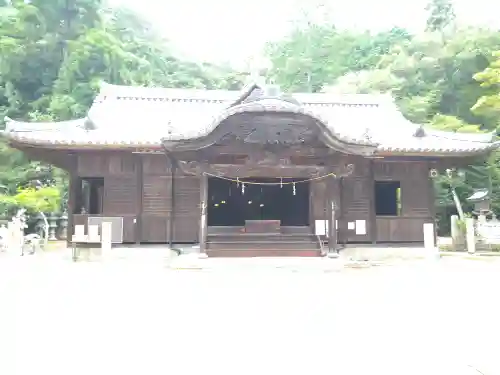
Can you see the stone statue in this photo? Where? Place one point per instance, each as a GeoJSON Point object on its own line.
{"type": "Point", "coordinates": [4, 238]}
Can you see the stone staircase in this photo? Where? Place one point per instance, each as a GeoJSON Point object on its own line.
{"type": "Point", "coordinates": [293, 243]}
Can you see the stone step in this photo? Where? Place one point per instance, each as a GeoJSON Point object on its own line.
{"type": "Point", "coordinates": [259, 237]}
{"type": "Point", "coordinates": [262, 245]}
{"type": "Point", "coordinates": [268, 252]}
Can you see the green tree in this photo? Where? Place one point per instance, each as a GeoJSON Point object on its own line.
{"type": "Point", "coordinates": [53, 55]}
{"type": "Point", "coordinates": [427, 78]}
{"type": "Point", "coordinates": [441, 15]}
{"type": "Point", "coordinates": [313, 56]}
{"type": "Point", "coordinates": [35, 201]}
{"type": "Point", "coordinates": [488, 105]}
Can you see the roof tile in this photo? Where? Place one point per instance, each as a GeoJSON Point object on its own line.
{"type": "Point", "coordinates": [138, 116]}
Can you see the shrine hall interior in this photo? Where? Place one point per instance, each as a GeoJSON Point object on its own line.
{"type": "Point", "coordinates": [231, 203]}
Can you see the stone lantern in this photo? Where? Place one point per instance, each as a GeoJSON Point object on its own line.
{"type": "Point", "coordinates": [482, 203]}
{"type": "Point", "coordinates": [63, 226]}
{"type": "Point", "coordinates": [52, 227]}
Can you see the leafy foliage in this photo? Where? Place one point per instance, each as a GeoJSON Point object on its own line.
{"type": "Point", "coordinates": [441, 15]}
{"type": "Point", "coordinates": [488, 105]}
{"type": "Point", "coordinates": [312, 57]}
{"type": "Point", "coordinates": [46, 199]}
{"type": "Point", "coordinates": [54, 54]}
{"type": "Point", "coordinates": [447, 78]}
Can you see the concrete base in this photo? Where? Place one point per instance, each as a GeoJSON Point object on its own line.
{"type": "Point", "coordinates": [369, 253]}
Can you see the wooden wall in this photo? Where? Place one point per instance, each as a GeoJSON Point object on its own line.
{"type": "Point", "coordinates": [156, 199]}
{"type": "Point", "coordinates": [138, 187]}
{"type": "Point", "coordinates": [358, 201]}
{"type": "Point", "coordinates": [417, 201]}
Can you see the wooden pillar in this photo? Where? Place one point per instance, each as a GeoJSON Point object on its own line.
{"type": "Point", "coordinates": [332, 228]}
{"type": "Point", "coordinates": [203, 213]}
{"type": "Point", "coordinates": [72, 196]}
{"type": "Point", "coordinates": [373, 213]}
{"type": "Point", "coordinates": [140, 187]}
{"type": "Point", "coordinates": [312, 222]}
{"type": "Point", "coordinates": [340, 212]}
{"type": "Point", "coordinates": [171, 222]}
{"type": "Point", "coordinates": [431, 193]}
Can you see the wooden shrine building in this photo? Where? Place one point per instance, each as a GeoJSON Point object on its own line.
{"type": "Point", "coordinates": [245, 173]}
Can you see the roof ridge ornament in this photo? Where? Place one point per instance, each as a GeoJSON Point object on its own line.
{"type": "Point", "coordinates": [420, 132]}
{"type": "Point", "coordinates": [367, 136]}
{"type": "Point", "coordinates": [88, 124]}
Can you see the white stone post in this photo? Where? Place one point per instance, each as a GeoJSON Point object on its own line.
{"type": "Point", "coordinates": [15, 237]}
{"type": "Point", "coordinates": [20, 237]}
{"type": "Point", "coordinates": [11, 240]}
{"type": "Point", "coordinates": [471, 238]}
{"type": "Point", "coordinates": [429, 240]}
{"type": "Point", "coordinates": [456, 236]}
{"type": "Point", "coordinates": [78, 236]}
{"type": "Point", "coordinates": [95, 240]}
{"type": "Point", "coordinates": [105, 238]}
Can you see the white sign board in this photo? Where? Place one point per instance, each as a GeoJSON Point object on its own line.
{"type": "Point", "coordinates": [94, 233]}
{"type": "Point", "coordinates": [360, 227]}
{"type": "Point", "coordinates": [321, 227]}
{"type": "Point", "coordinates": [429, 243]}
{"type": "Point", "coordinates": [489, 232]}
{"type": "Point", "coordinates": [106, 234]}
{"type": "Point", "coordinates": [351, 225]}
{"type": "Point", "coordinates": [116, 226]}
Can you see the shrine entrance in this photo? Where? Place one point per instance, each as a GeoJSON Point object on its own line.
{"type": "Point", "coordinates": [233, 203]}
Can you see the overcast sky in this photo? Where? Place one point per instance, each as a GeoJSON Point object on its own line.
{"type": "Point", "coordinates": [233, 30]}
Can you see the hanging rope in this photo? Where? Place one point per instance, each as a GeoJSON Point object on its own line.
{"type": "Point", "coordinates": [281, 183]}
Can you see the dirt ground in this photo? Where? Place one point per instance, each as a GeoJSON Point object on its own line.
{"type": "Point", "coordinates": [140, 317]}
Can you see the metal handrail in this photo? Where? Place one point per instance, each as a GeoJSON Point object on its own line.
{"type": "Point", "coordinates": [321, 244]}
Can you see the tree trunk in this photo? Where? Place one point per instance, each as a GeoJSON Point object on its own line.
{"type": "Point", "coordinates": [458, 204]}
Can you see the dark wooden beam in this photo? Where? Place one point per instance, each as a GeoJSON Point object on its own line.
{"type": "Point", "coordinates": [140, 192]}
{"type": "Point", "coordinates": [57, 158]}
{"type": "Point", "coordinates": [331, 216]}
{"type": "Point", "coordinates": [373, 213]}
{"type": "Point", "coordinates": [204, 213]}
{"type": "Point", "coordinates": [415, 156]}
{"type": "Point", "coordinates": [432, 203]}
{"type": "Point", "coordinates": [242, 171]}
{"type": "Point", "coordinates": [341, 211]}
{"type": "Point", "coordinates": [256, 170]}
{"type": "Point", "coordinates": [241, 148]}
{"type": "Point", "coordinates": [173, 205]}
{"type": "Point", "coordinates": [72, 196]}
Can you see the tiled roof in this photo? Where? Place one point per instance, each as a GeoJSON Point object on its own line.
{"type": "Point", "coordinates": [138, 116]}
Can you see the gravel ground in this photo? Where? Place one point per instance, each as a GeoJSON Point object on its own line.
{"type": "Point", "coordinates": [131, 317]}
